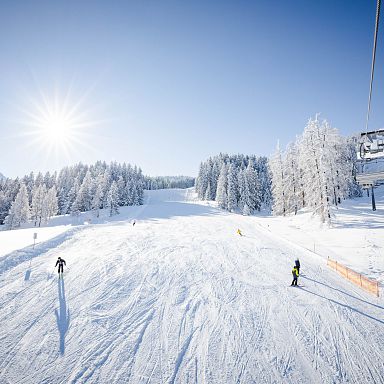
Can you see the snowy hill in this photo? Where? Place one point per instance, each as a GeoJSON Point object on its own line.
{"type": "Point", "coordinates": [181, 298]}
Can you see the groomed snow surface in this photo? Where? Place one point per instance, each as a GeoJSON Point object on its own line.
{"type": "Point", "coordinates": [180, 297]}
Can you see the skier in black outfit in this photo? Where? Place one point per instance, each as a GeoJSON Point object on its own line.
{"type": "Point", "coordinates": [61, 263]}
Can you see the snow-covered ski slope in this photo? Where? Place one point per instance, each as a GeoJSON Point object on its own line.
{"type": "Point", "coordinates": [181, 298]}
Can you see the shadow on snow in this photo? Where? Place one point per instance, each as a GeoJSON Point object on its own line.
{"type": "Point", "coordinates": [62, 315]}
{"type": "Point", "coordinates": [343, 292]}
{"type": "Point", "coordinates": [343, 305]}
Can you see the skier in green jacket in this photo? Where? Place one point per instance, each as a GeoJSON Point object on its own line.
{"type": "Point", "coordinates": [295, 274]}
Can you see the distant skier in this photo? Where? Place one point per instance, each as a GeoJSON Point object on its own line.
{"type": "Point", "coordinates": [239, 232]}
{"type": "Point", "coordinates": [60, 262]}
{"type": "Point", "coordinates": [133, 223]}
{"type": "Point", "coordinates": [295, 274]}
{"type": "Point", "coordinates": [297, 264]}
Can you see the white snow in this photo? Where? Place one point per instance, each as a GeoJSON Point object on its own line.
{"type": "Point", "coordinates": [181, 298]}
{"type": "Point", "coordinates": [18, 239]}
{"type": "Point", "coordinates": [355, 238]}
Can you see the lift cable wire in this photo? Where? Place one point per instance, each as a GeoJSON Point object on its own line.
{"type": "Point", "coordinates": [373, 62]}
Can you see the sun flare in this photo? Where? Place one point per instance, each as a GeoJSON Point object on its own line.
{"type": "Point", "coordinates": [60, 126]}
{"type": "Point", "coordinates": [57, 128]}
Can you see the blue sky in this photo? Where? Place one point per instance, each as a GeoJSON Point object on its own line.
{"type": "Point", "coordinates": [165, 84]}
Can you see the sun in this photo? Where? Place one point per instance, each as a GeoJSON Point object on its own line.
{"type": "Point", "coordinates": [57, 127]}
{"type": "Point", "coordinates": [60, 126]}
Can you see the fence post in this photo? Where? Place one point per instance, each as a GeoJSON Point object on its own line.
{"type": "Point", "coordinates": [361, 283]}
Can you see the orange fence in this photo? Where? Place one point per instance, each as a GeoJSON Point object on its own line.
{"type": "Point", "coordinates": [369, 285]}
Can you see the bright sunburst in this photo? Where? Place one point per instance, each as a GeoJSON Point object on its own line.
{"type": "Point", "coordinates": [57, 125]}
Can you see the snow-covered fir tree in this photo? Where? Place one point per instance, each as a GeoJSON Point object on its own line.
{"type": "Point", "coordinates": [4, 206]}
{"type": "Point", "coordinates": [85, 193]}
{"type": "Point", "coordinates": [208, 192]}
{"type": "Point", "coordinates": [252, 191]}
{"type": "Point", "coordinates": [52, 205]}
{"type": "Point", "coordinates": [113, 199]}
{"type": "Point", "coordinates": [64, 186]}
{"type": "Point", "coordinates": [278, 188]}
{"type": "Point", "coordinates": [38, 204]}
{"type": "Point", "coordinates": [74, 199]}
{"type": "Point", "coordinates": [232, 190]}
{"type": "Point", "coordinates": [19, 212]}
{"type": "Point", "coordinates": [222, 185]}
{"type": "Point", "coordinates": [98, 197]}
{"type": "Point", "coordinates": [203, 179]}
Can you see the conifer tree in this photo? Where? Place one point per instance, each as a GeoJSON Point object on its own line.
{"type": "Point", "coordinates": [221, 193]}
{"type": "Point", "coordinates": [277, 171]}
{"type": "Point", "coordinates": [232, 189]}
{"type": "Point", "coordinates": [75, 203]}
{"type": "Point", "coordinates": [84, 195]}
{"type": "Point", "coordinates": [252, 188]}
{"type": "Point", "coordinates": [19, 212]}
{"type": "Point", "coordinates": [113, 199]}
{"type": "Point", "coordinates": [52, 206]}
{"type": "Point", "coordinates": [98, 197]}
{"type": "Point", "coordinates": [38, 203]}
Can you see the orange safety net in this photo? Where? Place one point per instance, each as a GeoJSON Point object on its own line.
{"type": "Point", "coordinates": [368, 285]}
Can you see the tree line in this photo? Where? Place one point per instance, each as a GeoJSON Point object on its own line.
{"type": "Point", "coordinates": [316, 171]}
{"type": "Point", "coordinates": [237, 182]}
{"type": "Point", "coordinates": [168, 182]}
{"type": "Point", "coordinates": [74, 189]}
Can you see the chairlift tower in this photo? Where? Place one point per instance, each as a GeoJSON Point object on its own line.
{"type": "Point", "coordinates": [370, 161]}
{"type": "Point", "coordinates": [370, 144]}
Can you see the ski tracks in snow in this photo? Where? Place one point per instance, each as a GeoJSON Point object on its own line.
{"type": "Point", "coordinates": [183, 299]}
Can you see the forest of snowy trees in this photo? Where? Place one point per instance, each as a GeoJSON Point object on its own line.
{"type": "Point", "coordinates": [236, 182]}
{"type": "Point", "coordinates": [316, 171]}
{"type": "Point", "coordinates": [73, 190]}
{"type": "Point", "coordinates": [167, 182]}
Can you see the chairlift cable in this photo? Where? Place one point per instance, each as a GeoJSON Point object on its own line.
{"type": "Point", "coordinates": [373, 62]}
